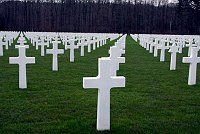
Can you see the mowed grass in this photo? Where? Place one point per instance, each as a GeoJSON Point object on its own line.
{"type": "Point", "coordinates": [155, 99]}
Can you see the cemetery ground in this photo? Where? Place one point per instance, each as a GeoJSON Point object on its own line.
{"type": "Point", "coordinates": [155, 99]}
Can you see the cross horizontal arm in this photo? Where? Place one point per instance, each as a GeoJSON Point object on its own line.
{"type": "Point", "coordinates": [30, 60]}
{"type": "Point", "coordinates": [187, 60]}
{"type": "Point", "coordinates": [13, 60]}
{"type": "Point", "coordinates": [90, 82]}
{"type": "Point", "coordinates": [121, 59]}
{"type": "Point", "coordinates": [118, 81]}
{"type": "Point", "coordinates": [49, 51]}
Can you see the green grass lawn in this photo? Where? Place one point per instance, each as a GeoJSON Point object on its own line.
{"type": "Point", "coordinates": [155, 99]}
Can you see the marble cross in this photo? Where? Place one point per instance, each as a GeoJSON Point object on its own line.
{"type": "Point", "coordinates": [94, 44]}
{"type": "Point", "coordinates": [21, 40]}
{"type": "Point", "coordinates": [42, 44]}
{"type": "Point", "coordinates": [193, 60]}
{"type": "Point", "coordinates": [72, 47]}
{"type": "Point", "coordinates": [152, 45]}
{"type": "Point", "coordinates": [98, 44]}
{"type": "Point", "coordinates": [190, 45]}
{"type": "Point", "coordinates": [22, 60]}
{"type": "Point", "coordinates": [155, 53]}
{"type": "Point", "coordinates": [104, 82]}
{"type": "Point", "coordinates": [148, 44]}
{"type": "Point", "coordinates": [162, 47]}
{"type": "Point", "coordinates": [174, 49]}
{"type": "Point", "coordinates": [115, 59]}
{"type": "Point", "coordinates": [9, 40]}
{"type": "Point", "coordinates": [82, 45]}
{"type": "Point", "coordinates": [55, 51]}
{"type": "Point", "coordinates": [180, 46]}
{"type": "Point", "coordinates": [89, 45]}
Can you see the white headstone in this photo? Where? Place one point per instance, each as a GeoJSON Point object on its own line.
{"type": "Point", "coordinates": [82, 45]}
{"type": "Point", "coordinates": [155, 54]}
{"type": "Point", "coordinates": [22, 60]}
{"type": "Point", "coordinates": [104, 82]}
{"type": "Point", "coordinates": [21, 40]}
{"type": "Point", "coordinates": [115, 59]}
{"type": "Point", "coordinates": [94, 44]}
{"type": "Point", "coordinates": [162, 47]}
{"type": "Point", "coordinates": [190, 45]}
{"type": "Point", "coordinates": [35, 41]}
{"type": "Point", "coordinates": [173, 50]}
{"type": "Point", "coordinates": [98, 44]}
{"type": "Point", "coordinates": [72, 47]}
{"type": "Point", "coordinates": [55, 51]}
{"type": "Point", "coordinates": [148, 44]}
{"type": "Point", "coordinates": [42, 44]}
{"type": "Point", "coordinates": [193, 60]}
{"type": "Point", "coordinates": [89, 46]}
{"type": "Point", "coordinates": [9, 40]}
{"type": "Point", "coordinates": [152, 45]}
{"type": "Point", "coordinates": [180, 48]}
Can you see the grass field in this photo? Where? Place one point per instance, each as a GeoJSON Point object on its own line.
{"type": "Point", "coordinates": [155, 99]}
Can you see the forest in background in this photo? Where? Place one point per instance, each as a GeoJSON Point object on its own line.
{"type": "Point", "coordinates": [101, 16]}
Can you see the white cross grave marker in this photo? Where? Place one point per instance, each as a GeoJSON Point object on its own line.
{"type": "Point", "coordinates": [42, 44]}
{"type": "Point", "coordinates": [22, 60]}
{"type": "Point", "coordinates": [72, 47]}
{"type": "Point", "coordinates": [190, 45]}
{"type": "Point", "coordinates": [151, 47]}
{"type": "Point", "coordinates": [174, 49]}
{"type": "Point", "coordinates": [94, 44]}
{"type": "Point", "coordinates": [21, 40]}
{"type": "Point", "coordinates": [162, 47]}
{"type": "Point", "coordinates": [180, 46]}
{"type": "Point", "coordinates": [9, 39]}
{"type": "Point", "coordinates": [104, 82]}
{"type": "Point", "coordinates": [155, 53]}
{"type": "Point", "coordinates": [98, 44]}
{"type": "Point", "coordinates": [55, 51]}
{"type": "Point", "coordinates": [115, 59]}
{"type": "Point", "coordinates": [89, 45]}
{"type": "Point", "coordinates": [193, 60]}
{"type": "Point", "coordinates": [148, 44]}
{"type": "Point", "coordinates": [82, 45]}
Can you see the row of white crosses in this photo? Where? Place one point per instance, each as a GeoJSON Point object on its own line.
{"type": "Point", "coordinates": [55, 51]}
{"type": "Point", "coordinates": [6, 40]}
{"type": "Point", "coordinates": [107, 78]}
{"type": "Point", "coordinates": [69, 41]}
{"type": "Point", "coordinates": [83, 41]}
{"type": "Point", "coordinates": [22, 60]}
{"type": "Point", "coordinates": [175, 44]}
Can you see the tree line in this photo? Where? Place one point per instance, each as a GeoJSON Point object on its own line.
{"type": "Point", "coordinates": [100, 16]}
